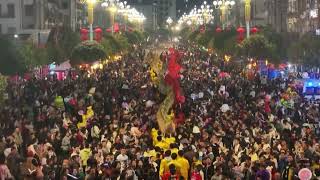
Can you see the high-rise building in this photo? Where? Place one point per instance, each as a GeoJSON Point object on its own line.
{"type": "Point", "coordinates": [165, 9]}
{"type": "Point", "coordinates": [156, 11]}
{"type": "Point", "coordinates": [303, 16]}
{"type": "Point", "coordinates": [277, 14]}
{"type": "Point", "coordinates": [258, 13]}
{"type": "Point", "coordinates": [36, 17]}
{"type": "Point", "coordinates": [149, 9]}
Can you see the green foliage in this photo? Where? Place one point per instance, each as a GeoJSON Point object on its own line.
{"type": "Point", "coordinates": [33, 56]}
{"type": "Point", "coordinates": [277, 39]}
{"type": "Point", "coordinates": [306, 50]}
{"type": "Point", "coordinates": [111, 45]}
{"type": "Point", "coordinates": [10, 61]}
{"type": "Point", "coordinates": [3, 86]}
{"type": "Point", "coordinates": [123, 42]}
{"type": "Point", "coordinates": [87, 52]}
{"type": "Point", "coordinates": [225, 42]}
{"type": "Point", "coordinates": [257, 46]}
{"type": "Point", "coordinates": [61, 41]}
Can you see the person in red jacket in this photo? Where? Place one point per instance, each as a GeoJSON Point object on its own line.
{"type": "Point", "coordinates": [171, 174]}
{"type": "Point", "coordinates": [196, 174]}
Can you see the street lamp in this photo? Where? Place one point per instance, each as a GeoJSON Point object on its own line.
{"type": "Point", "coordinates": [248, 16]}
{"type": "Point", "coordinates": [125, 9]}
{"type": "Point", "coordinates": [206, 12]}
{"type": "Point", "coordinates": [134, 15]}
{"type": "Point", "coordinates": [112, 6]}
{"type": "Point", "coordinates": [90, 4]}
{"type": "Point", "coordinates": [169, 21]}
{"type": "Point", "coordinates": [223, 5]}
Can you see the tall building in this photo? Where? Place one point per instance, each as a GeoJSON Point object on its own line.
{"type": "Point", "coordinates": [303, 16]}
{"type": "Point", "coordinates": [277, 14]}
{"type": "Point", "coordinates": [149, 9]}
{"type": "Point", "coordinates": [165, 9]}
{"type": "Point", "coordinates": [36, 17]}
{"type": "Point", "coordinates": [156, 11]}
{"type": "Point", "coordinates": [258, 13]}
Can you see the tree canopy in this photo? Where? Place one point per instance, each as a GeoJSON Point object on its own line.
{"type": "Point", "coordinates": [61, 41]}
{"type": "Point", "coordinates": [257, 46]}
{"type": "Point", "coordinates": [306, 50]}
{"type": "Point", "coordinates": [11, 61]}
{"type": "Point", "coordinates": [87, 52]}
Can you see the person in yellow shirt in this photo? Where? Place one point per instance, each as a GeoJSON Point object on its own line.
{"type": "Point", "coordinates": [162, 144]}
{"type": "Point", "coordinates": [174, 148]}
{"type": "Point", "coordinates": [184, 165]}
{"type": "Point", "coordinates": [170, 140]}
{"type": "Point", "coordinates": [85, 153]}
{"type": "Point", "coordinates": [164, 164]}
{"type": "Point", "coordinates": [174, 160]}
{"type": "Point", "coordinates": [154, 134]}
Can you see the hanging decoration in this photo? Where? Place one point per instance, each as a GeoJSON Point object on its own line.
{"type": "Point", "coordinates": [240, 36]}
{"type": "Point", "coordinates": [98, 34]}
{"type": "Point", "coordinates": [84, 34]}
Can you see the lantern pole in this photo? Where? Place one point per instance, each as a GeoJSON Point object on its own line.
{"type": "Point", "coordinates": [90, 17]}
{"type": "Point", "coordinates": [248, 16]}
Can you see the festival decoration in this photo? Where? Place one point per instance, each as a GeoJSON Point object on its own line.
{"type": "Point", "coordinates": [218, 30]}
{"type": "Point", "coordinates": [165, 75]}
{"type": "Point", "coordinates": [305, 174]}
{"type": "Point", "coordinates": [98, 34]}
{"type": "Point", "coordinates": [85, 117]}
{"type": "Point", "coordinates": [58, 102]}
{"type": "Point", "coordinates": [240, 36]}
{"type": "Point", "coordinates": [254, 30]}
{"type": "Point", "coordinates": [84, 34]}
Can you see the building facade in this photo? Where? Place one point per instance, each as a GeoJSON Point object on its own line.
{"type": "Point", "coordinates": [34, 17]}
{"type": "Point", "coordinates": [165, 9]}
{"type": "Point", "coordinates": [259, 13]}
{"type": "Point", "coordinates": [303, 16]}
{"type": "Point", "coordinates": [277, 14]}
{"type": "Point", "coordinates": [150, 10]}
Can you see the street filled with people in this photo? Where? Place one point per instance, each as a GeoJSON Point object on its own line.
{"type": "Point", "coordinates": [104, 125]}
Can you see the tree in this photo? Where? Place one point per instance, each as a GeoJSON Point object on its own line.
{"type": "Point", "coordinates": [33, 56]}
{"type": "Point", "coordinates": [10, 62]}
{"type": "Point", "coordinates": [257, 46]}
{"type": "Point", "coordinates": [3, 86]}
{"type": "Point", "coordinates": [61, 41]}
{"type": "Point", "coordinates": [306, 50]}
{"type": "Point", "coordinates": [279, 40]}
{"type": "Point", "coordinates": [111, 45]}
{"type": "Point", "coordinates": [87, 52]}
{"type": "Point", "coordinates": [122, 41]}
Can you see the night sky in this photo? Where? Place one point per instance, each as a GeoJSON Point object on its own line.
{"type": "Point", "coordinates": [186, 5]}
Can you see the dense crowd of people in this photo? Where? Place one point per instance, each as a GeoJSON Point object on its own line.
{"type": "Point", "coordinates": [234, 127]}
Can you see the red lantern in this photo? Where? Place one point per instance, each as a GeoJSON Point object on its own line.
{"type": "Point", "coordinates": [241, 32]}
{"type": "Point", "coordinates": [116, 27]}
{"type": "Point", "coordinates": [218, 30]}
{"type": "Point", "coordinates": [202, 29]}
{"type": "Point", "coordinates": [109, 30]}
{"type": "Point", "coordinates": [98, 34]}
{"type": "Point", "coordinates": [84, 34]}
{"type": "Point", "coordinates": [254, 30]}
